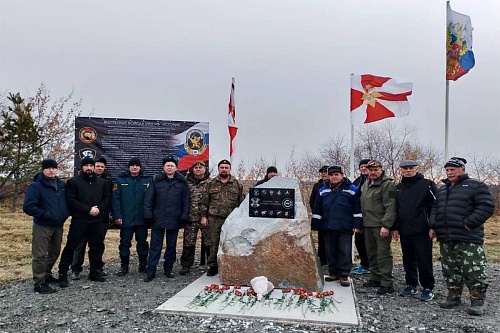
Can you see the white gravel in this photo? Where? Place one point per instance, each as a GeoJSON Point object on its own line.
{"type": "Point", "coordinates": [125, 304]}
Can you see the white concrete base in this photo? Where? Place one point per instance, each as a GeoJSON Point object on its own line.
{"type": "Point", "coordinates": [344, 312]}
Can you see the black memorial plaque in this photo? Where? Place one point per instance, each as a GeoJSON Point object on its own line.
{"type": "Point", "coordinates": [272, 203]}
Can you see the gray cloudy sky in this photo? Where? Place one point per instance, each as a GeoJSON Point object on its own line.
{"type": "Point", "coordinates": [291, 59]}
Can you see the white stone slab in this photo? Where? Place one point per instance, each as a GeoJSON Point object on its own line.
{"type": "Point", "coordinates": [344, 313]}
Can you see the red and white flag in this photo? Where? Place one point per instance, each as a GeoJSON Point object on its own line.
{"type": "Point", "coordinates": [374, 98]}
{"type": "Point", "coordinates": [231, 121]}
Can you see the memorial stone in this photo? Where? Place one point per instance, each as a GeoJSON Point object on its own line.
{"type": "Point", "coordinates": [280, 249]}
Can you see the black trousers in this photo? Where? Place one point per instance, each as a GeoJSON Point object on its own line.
{"type": "Point", "coordinates": [79, 256]}
{"type": "Point", "coordinates": [78, 231]}
{"type": "Point", "coordinates": [417, 260]}
{"type": "Point", "coordinates": [321, 247]}
{"type": "Point", "coordinates": [359, 241]}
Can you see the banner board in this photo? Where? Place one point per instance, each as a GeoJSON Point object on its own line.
{"type": "Point", "coordinates": [149, 140]}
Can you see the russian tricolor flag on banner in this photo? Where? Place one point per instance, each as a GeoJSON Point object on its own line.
{"type": "Point", "coordinates": [374, 98]}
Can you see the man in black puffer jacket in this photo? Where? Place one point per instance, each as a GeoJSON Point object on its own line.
{"type": "Point", "coordinates": [462, 207]}
{"type": "Point", "coordinates": [166, 203]}
{"type": "Point", "coordinates": [415, 196]}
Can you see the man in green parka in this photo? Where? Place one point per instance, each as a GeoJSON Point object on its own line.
{"type": "Point", "coordinates": [378, 206]}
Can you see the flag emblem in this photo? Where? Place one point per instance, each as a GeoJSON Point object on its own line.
{"type": "Point", "coordinates": [459, 55]}
{"type": "Point", "coordinates": [375, 98]}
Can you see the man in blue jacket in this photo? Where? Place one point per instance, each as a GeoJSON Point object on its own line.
{"type": "Point", "coordinates": [166, 204]}
{"type": "Point", "coordinates": [45, 200]}
{"type": "Point", "coordinates": [128, 212]}
{"type": "Point", "coordinates": [338, 208]}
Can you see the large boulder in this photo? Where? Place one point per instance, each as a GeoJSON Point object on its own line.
{"type": "Point", "coordinates": [280, 249]}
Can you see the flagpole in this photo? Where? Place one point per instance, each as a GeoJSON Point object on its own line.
{"type": "Point", "coordinates": [446, 122]}
{"type": "Point", "coordinates": [351, 156]}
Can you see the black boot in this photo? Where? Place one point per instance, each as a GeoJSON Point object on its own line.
{"type": "Point", "coordinates": [124, 266]}
{"type": "Point", "coordinates": [143, 263]}
{"type": "Point", "coordinates": [477, 297]}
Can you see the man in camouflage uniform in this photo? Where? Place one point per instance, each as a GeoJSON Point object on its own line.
{"type": "Point", "coordinates": [197, 180]}
{"type": "Point", "coordinates": [221, 195]}
{"type": "Point", "coordinates": [457, 219]}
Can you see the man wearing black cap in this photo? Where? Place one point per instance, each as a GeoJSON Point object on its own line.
{"type": "Point", "coordinates": [415, 196]}
{"type": "Point", "coordinates": [166, 203]}
{"type": "Point", "coordinates": [338, 211]}
{"type": "Point", "coordinates": [221, 195]}
{"type": "Point", "coordinates": [457, 219]}
{"type": "Point", "coordinates": [359, 237]}
{"type": "Point", "coordinates": [45, 200]}
{"type": "Point", "coordinates": [128, 212]}
{"type": "Point", "coordinates": [378, 205]}
{"type": "Point", "coordinates": [88, 197]}
{"type": "Point", "coordinates": [270, 173]}
{"type": "Point", "coordinates": [79, 256]}
{"type": "Point", "coordinates": [323, 173]}
{"type": "Point", "coordinates": [197, 180]}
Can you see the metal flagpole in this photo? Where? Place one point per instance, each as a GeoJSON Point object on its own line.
{"type": "Point", "coordinates": [446, 122]}
{"type": "Point", "coordinates": [351, 157]}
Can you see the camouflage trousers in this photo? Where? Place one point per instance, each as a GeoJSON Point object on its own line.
{"type": "Point", "coordinates": [463, 263]}
{"type": "Point", "coordinates": [214, 229]}
{"type": "Point", "coordinates": [191, 234]}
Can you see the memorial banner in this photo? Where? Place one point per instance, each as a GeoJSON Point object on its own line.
{"type": "Point", "coordinates": [149, 140]}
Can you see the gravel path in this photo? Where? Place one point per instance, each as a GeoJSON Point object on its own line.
{"type": "Point", "coordinates": [125, 304]}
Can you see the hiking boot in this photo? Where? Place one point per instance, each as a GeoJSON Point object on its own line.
{"type": "Point", "coordinates": [63, 280]}
{"type": "Point", "coordinates": [426, 295]}
{"type": "Point", "coordinates": [344, 281]}
{"type": "Point", "coordinates": [123, 270]}
{"type": "Point", "coordinates": [51, 279]}
{"type": "Point", "coordinates": [169, 274]}
{"type": "Point", "coordinates": [213, 271]}
{"type": "Point", "coordinates": [360, 270]}
{"type": "Point", "coordinates": [43, 288]}
{"type": "Point", "coordinates": [450, 302]}
{"type": "Point", "coordinates": [101, 272]}
{"type": "Point", "coordinates": [408, 291]}
{"type": "Point", "coordinates": [184, 271]}
{"type": "Point", "coordinates": [94, 276]}
{"type": "Point", "coordinates": [331, 278]}
{"type": "Point", "coordinates": [476, 308]}
{"type": "Point", "coordinates": [143, 264]}
{"type": "Point", "coordinates": [149, 277]}
{"type": "Point", "coordinates": [75, 275]}
{"type": "Point", "coordinates": [385, 290]}
{"type": "Point", "coordinates": [372, 284]}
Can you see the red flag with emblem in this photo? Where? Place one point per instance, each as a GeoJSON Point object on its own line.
{"type": "Point", "coordinates": [231, 121]}
{"type": "Point", "coordinates": [375, 98]}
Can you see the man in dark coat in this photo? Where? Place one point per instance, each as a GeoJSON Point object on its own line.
{"type": "Point", "coordinates": [270, 173]}
{"type": "Point", "coordinates": [462, 207]}
{"type": "Point", "coordinates": [338, 210]}
{"type": "Point", "coordinates": [128, 212]}
{"type": "Point", "coordinates": [45, 200]}
{"type": "Point", "coordinates": [323, 172]}
{"type": "Point", "coordinates": [415, 196]}
{"type": "Point", "coordinates": [88, 199]}
{"type": "Point", "coordinates": [79, 257]}
{"type": "Point", "coordinates": [359, 237]}
{"type": "Point", "coordinates": [166, 203]}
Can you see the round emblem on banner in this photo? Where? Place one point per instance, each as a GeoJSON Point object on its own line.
{"type": "Point", "coordinates": [88, 135]}
{"type": "Point", "coordinates": [195, 142]}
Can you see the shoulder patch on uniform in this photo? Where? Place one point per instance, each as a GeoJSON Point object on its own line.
{"type": "Point", "coordinates": [115, 187]}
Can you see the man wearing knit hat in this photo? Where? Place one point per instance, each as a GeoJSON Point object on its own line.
{"type": "Point", "coordinates": [45, 200]}
{"type": "Point", "coordinates": [88, 197]}
{"type": "Point", "coordinates": [457, 220]}
{"type": "Point", "coordinates": [221, 195]}
{"type": "Point", "coordinates": [100, 170]}
{"type": "Point", "coordinates": [166, 204]}
{"type": "Point", "coordinates": [128, 212]}
{"type": "Point", "coordinates": [270, 173]}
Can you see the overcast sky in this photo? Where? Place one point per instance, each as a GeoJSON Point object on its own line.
{"type": "Point", "coordinates": [291, 59]}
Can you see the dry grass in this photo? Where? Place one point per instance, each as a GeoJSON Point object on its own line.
{"type": "Point", "coordinates": [15, 245]}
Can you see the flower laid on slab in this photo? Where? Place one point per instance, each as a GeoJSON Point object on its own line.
{"type": "Point", "coordinates": [320, 302]}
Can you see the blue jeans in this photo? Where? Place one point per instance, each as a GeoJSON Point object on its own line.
{"type": "Point", "coordinates": [157, 235]}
